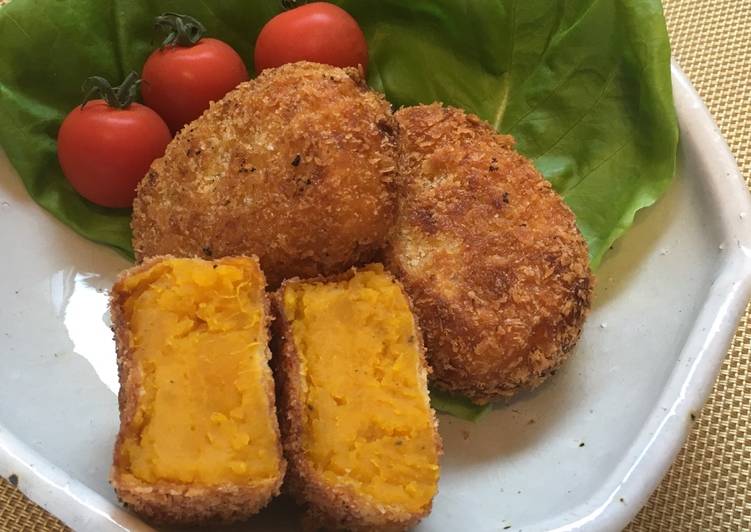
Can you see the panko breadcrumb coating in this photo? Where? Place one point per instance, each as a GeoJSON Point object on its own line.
{"type": "Point", "coordinates": [489, 253]}
{"type": "Point", "coordinates": [297, 166]}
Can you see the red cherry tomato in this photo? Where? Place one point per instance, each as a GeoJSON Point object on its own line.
{"type": "Point", "coordinates": [179, 82]}
{"type": "Point", "coordinates": [318, 32]}
{"type": "Point", "coordinates": [105, 151]}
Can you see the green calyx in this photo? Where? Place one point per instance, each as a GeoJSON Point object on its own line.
{"type": "Point", "coordinates": [183, 30]}
{"type": "Point", "coordinates": [292, 4]}
{"type": "Point", "coordinates": [118, 97]}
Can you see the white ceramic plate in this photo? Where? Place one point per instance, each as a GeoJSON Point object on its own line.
{"type": "Point", "coordinates": [582, 452]}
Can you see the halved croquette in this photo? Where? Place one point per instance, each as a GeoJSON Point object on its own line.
{"type": "Point", "coordinates": [199, 438]}
{"type": "Point", "coordinates": [359, 433]}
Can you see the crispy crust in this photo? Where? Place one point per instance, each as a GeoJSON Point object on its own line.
{"type": "Point", "coordinates": [173, 502]}
{"type": "Point", "coordinates": [303, 142]}
{"type": "Point", "coordinates": [489, 253]}
{"type": "Point", "coordinates": [327, 507]}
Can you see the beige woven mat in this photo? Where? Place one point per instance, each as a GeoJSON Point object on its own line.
{"type": "Point", "coordinates": [709, 486]}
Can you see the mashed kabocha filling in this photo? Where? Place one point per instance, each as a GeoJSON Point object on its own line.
{"type": "Point", "coordinates": [368, 424]}
{"type": "Point", "coordinates": [198, 337]}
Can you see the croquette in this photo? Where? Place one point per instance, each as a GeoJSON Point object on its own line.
{"type": "Point", "coordinates": [199, 438]}
{"type": "Point", "coordinates": [297, 166]}
{"type": "Point", "coordinates": [358, 430]}
{"type": "Point", "coordinates": [489, 253]}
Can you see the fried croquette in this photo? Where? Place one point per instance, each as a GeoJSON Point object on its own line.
{"type": "Point", "coordinates": [199, 437]}
{"type": "Point", "coordinates": [297, 166]}
{"type": "Point", "coordinates": [358, 430]}
{"type": "Point", "coordinates": [489, 253]}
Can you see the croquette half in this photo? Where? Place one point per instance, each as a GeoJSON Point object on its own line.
{"type": "Point", "coordinates": [199, 437]}
{"type": "Point", "coordinates": [297, 166]}
{"type": "Point", "coordinates": [358, 430]}
{"type": "Point", "coordinates": [489, 253]}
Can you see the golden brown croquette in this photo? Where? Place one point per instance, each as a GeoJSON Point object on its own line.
{"type": "Point", "coordinates": [297, 166]}
{"type": "Point", "coordinates": [489, 253]}
{"type": "Point", "coordinates": [358, 430]}
{"type": "Point", "coordinates": [199, 438]}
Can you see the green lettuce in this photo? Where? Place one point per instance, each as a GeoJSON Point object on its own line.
{"type": "Point", "coordinates": [583, 85]}
{"type": "Point", "coordinates": [456, 405]}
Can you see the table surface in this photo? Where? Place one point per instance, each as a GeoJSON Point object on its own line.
{"type": "Point", "coordinates": [709, 485]}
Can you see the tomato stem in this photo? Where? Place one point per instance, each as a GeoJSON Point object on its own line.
{"type": "Point", "coordinates": [184, 30]}
{"type": "Point", "coordinates": [119, 97]}
{"type": "Point", "coordinates": [291, 4]}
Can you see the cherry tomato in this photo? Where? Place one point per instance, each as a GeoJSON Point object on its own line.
{"type": "Point", "coordinates": [179, 82]}
{"type": "Point", "coordinates": [104, 151]}
{"type": "Point", "coordinates": [318, 32]}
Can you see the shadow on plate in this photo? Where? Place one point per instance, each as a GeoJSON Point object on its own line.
{"type": "Point", "coordinates": [282, 514]}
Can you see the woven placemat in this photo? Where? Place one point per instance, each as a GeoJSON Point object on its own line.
{"type": "Point", "coordinates": [19, 514]}
{"type": "Point", "coordinates": [709, 486]}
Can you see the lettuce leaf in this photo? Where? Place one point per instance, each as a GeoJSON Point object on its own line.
{"type": "Point", "coordinates": [583, 85]}
{"type": "Point", "coordinates": [457, 406]}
